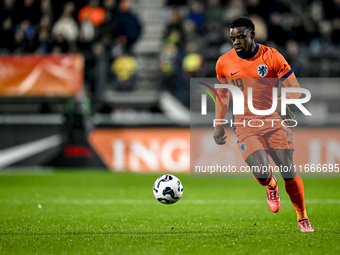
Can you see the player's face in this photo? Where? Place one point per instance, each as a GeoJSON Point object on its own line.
{"type": "Point", "coordinates": [242, 39]}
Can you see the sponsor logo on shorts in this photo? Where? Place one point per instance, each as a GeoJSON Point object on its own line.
{"type": "Point", "coordinates": [243, 147]}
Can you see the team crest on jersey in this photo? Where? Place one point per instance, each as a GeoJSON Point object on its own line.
{"type": "Point", "coordinates": [262, 70]}
{"type": "Point", "coordinates": [243, 147]}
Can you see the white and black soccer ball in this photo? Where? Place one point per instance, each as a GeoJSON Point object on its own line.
{"type": "Point", "coordinates": [168, 189]}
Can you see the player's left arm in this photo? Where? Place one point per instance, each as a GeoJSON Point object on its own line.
{"type": "Point", "coordinates": [288, 79]}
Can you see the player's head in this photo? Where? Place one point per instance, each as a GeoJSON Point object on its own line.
{"type": "Point", "coordinates": [242, 34]}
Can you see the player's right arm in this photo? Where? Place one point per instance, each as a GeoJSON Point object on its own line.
{"type": "Point", "coordinates": [220, 111]}
{"type": "Point", "coordinates": [221, 108]}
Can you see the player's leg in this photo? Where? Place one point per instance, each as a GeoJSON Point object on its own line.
{"type": "Point", "coordinates": [256, 161]}
{"type": "Point", "coordinates": [254, 152]}
{"type": "Point", "coordinates": [293, 182]}
{"type": "Point", "coordinates": [253, 149]}
{"type": "Point", "coordinates": [283, 157]}
{"type": "Point", "coordinates": [284, 160]}
{"type": "Point", "coordinates": [259, 163]}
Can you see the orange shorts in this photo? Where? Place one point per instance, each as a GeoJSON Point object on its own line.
{"type": "Point", "coordinates": [274, 139]}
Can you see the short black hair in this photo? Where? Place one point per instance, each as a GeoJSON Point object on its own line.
{"type": "Point", "coordinates": [242, 22]}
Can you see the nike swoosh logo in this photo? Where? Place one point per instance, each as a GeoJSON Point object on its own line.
{"type": "Point", "coordinates": [234, 73]}
{"type": "Point", "coordinates": [17, 153]}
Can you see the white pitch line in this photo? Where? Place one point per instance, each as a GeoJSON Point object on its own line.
{"type": "Point", "coordinates": [151, 202]}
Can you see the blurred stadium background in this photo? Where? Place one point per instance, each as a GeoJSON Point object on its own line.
{"type": "Point", "coordinates": [105, 84]}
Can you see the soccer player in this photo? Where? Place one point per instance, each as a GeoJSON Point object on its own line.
{"type": "Point", "coordinates": [246, 61]}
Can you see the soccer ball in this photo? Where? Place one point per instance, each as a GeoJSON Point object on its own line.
{"type": "Point", "coordinates": [168, 189]}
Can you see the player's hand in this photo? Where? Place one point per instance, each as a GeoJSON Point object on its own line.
{"type": "Point", "coordinates": [219, 135]}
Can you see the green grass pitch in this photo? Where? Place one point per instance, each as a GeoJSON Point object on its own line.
{"type": "Point", "coordinates": [96, 212]}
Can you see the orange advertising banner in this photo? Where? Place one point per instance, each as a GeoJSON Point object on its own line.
{"type": "Point", "coordinates": [168, 150]}
{"type": "Point", "coordinates": [143, 150]}
{"type": "Point", "coordinates": [41, 76]}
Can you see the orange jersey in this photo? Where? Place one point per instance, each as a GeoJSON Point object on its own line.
{"type": "Point", "coordinates": [261, 72]}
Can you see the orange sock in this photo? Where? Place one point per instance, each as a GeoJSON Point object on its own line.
{"type": "Point", "coordinates": [296, 192]}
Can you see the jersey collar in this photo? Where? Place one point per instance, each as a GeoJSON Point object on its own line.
{"type": "Point", "coordinates": [254, 53]}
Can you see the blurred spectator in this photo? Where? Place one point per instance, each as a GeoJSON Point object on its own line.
{"type": "Point", "coordinates": [66, 25]}
{"type": "Point", "coordinates": [8, 11]}
{"type": "Point", "coordinates": [192, 61]}
{"type": "Point", "coordinates": [196, 13]}
{"type": "Point", "coordinates": [128, 25]}
{"type": "Point", "coordinates": [213, 35]}
{"type": "Point", "coordinates": [59, 44]}
{"type": "Point", "coordinates": [92, 12]}
{"type": "Point", "coordinates": [175, 22]}
{"type": "Point", "coordinates": [45, 23]}
{"type": "Point", "coordinates": [19, 42]}
{"type": "Point", "coordinates": [43, 41]}
{"type": "Point", "coordinates": [226, 45]}
{"type": "Point", "coordinates": [261, 28]}
{"type": "Point", "coordinates": [170, 65]}
{"type": "Point", "coordinates": [87, 33]}
{"type": "Point", "coordinates": [336, 31]}
{"type": "Point", "coordinates": [111, 7]}
{"type": "Point", "coordinates": [191, 34]}
{"type": "Point", "coordinates": [174, 31]}
{"type": "Point", "coordinates": [311, 35]}
{"type": "Point", "coordinates": [7, 36]}
{"type": "Point", "coordinates": [168, 59]}
{"type": "Point", "coordinates": [25, 37]}
{"type": "Point", "coordinates": [192, 68]}
{"type": "Point", "coordinates": [325, 28]}
{"type": "Point", "coordinates": [46, 9]}
{"type": "Point", "coordinates": [213, 12]}
{"type": "Point", "coordinates": [297, 31]}
{"type": "Point", "coordinates": [106, 31]}
{"type": "Point", "coordinates": [124, 70]}
{"type": "Point", "coordinates": [293, 56]}
{"type": "Point", "coordinates": [179, 5]}
{"type": "Point", "coordinates": [43, 34]}
{"type": "Point", "coordinates": [88, 16]}
{"type": "Point", "coordinates": [31, 42]}
{"type": "Point", "coordinates": [175, 39]}
{"type": "Point", "coordinates": [235, 9]}
{"type": "Point", "coordinates": [315, 10]}
{"type": "Point", "coordinates": [276, 33]}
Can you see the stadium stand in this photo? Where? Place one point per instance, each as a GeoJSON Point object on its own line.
{"type": "Point", "coordinates": [167, 41]}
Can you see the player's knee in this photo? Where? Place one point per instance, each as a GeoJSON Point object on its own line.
{"type": "Point", "coordinates": [288, 170]}
{"type": "Point", "coordinates": [289, 175]}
